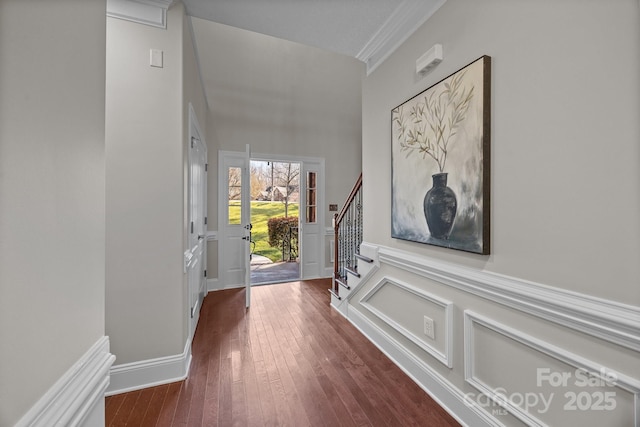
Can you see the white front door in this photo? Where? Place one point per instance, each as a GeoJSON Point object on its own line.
{"type": "Point", "coordinates": [195, 255]}
{"type": "Point", "coordinates": [234, 220]}
{"type": "Point", "coordinates": [246, 215]}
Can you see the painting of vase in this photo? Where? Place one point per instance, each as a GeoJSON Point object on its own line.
{"type": "Point", "coordinates": [440, 159]}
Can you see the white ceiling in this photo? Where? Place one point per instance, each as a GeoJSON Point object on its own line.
{"type": "Point", "coordinates": [368, 30]}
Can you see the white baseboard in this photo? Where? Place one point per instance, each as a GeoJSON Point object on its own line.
{"type": "Point", "coordinates": [212, 284]}
{"type": "Point", "coordinates": [216, 285]}
{"type": "Point", "coordinates": [77, 398]}
{"type": "Point", "coordinates": [150, 373]}
{"type": "Point", "coordinates": [442, 391]}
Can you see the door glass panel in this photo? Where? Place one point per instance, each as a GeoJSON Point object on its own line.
{"type": "Point", "coordinates": [235, 192]}
{"type": "Point", "coordinates": [311, 197]}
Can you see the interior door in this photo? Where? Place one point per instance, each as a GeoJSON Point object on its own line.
{"type": "Point", "coordinates": [195, 255]}
{"type": "Point", "coordinates": [234, 220]}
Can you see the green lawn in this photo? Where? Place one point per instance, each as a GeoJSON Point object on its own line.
{"type": "Point", "coordinates": [261, 212]}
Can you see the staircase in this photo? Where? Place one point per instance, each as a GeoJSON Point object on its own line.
{"type": "Point", "coordinates": [348, 237]}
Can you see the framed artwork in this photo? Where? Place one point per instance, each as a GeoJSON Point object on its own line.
{"type": "Point", "coordinates": [440, 155]}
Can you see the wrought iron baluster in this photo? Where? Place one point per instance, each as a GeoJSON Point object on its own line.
{"type": "Point", "coordinates": [348, 234]}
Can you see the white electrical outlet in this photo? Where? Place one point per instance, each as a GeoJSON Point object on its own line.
{"type": "Point", "coordinates": [428, 328]}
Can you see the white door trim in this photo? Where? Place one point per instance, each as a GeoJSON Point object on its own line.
{"type": "Point", "coordinates": [319, 166]}
{"type": "Point", "coordinates": [306, 160]}
{"type": "Point", "coordinates": [196, 251]}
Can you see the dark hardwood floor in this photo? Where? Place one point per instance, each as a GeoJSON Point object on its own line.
{"type": "Point", "coordinates": [290, 360]}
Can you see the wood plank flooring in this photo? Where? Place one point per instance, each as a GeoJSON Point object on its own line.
{"type": "Point", "coordinates": [290, 360]}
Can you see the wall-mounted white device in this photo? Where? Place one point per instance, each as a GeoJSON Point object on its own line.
{"type": "Point", "coordinates": [430, 59]}
{"type": "Point", "coordinates": [155, 59]}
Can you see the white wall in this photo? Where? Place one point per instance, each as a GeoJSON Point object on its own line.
{"type": "Point", "coordinates": [145, 299]}
{"type": "Point", "coordinates": [561, 283]}
{"type": "Point", "coordinates": [565, 132]}
{"type": "Point", "coordinates": [52, 190]}
{"type": "Point", "coordinates": [283, 98]}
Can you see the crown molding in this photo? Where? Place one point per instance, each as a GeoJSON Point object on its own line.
{"type": "Point", "coordinates": [403, 22]}
{"type": "Point", "coordinates": [147, 12]}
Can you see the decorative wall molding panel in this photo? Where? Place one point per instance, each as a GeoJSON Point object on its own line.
{"type": "Point", "coordinates": [608, 320]}
{"type": "Point", "coordinates": [150, 373]}
{"type": "Point", "coordinates": [440, 389]}
{"type": "Point", "coordinates": [445, 357]}
{"type": "Point", "coordinates": [213, 283]}
{"type": "Point", "coordinates": [147, 12]}
{"type": "Point", "coordinates": [78, 394]}
{"type": "Point", "coordinates": [590, 369]}
{"type": "Point", "coordinates": [602, 319]}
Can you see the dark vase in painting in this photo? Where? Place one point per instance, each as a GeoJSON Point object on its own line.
{"type": "Point", "coordinates": [440, 206]}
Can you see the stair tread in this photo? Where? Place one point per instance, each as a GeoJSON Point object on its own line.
{"type": "Point", "coordinates": [343, 281]}
{"type": "Point", "coordinates": [332, 292]}
{"type": "Point", "coordinates": [352, 270]}
{"type": "Point", "coordinates": [364, 258]}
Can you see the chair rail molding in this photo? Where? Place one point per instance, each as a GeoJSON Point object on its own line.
{"type": "Point", "coordinates": [76, 397]}
{"type": "Point", "coordinates": [608, 320]}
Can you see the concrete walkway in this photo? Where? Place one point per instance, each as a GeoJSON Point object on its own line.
{"type": "Point", "coordinates": [259, 260]}
{"type": "Point", "coordinates": [264, 271]}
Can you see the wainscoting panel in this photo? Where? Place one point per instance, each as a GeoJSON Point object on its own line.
{"type": "Point", "coordinates": [396, 304]}
{"type": "Point", "coordinates": [540, 383]}
{"type": "Point", "coordinates": [537, 355]}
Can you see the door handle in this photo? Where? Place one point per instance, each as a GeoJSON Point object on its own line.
{"type": "Point", "coordinates": [200, 236]}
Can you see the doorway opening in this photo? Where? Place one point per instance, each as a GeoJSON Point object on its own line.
{"type": "Point", "coordinates": [235, 229]}
{"type": "Point", "coordinates": [275, 207]}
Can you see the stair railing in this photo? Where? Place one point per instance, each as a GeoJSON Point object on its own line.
{"type": "Point", "coordinates": [347, 226]}
{"type": "Point", "coordinates": [290, 245]}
